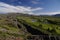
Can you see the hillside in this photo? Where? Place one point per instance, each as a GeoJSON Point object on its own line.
{"type": "Point", "coordinates": [18, 25]}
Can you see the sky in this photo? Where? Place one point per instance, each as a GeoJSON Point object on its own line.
{"type": "Point", "coordinates": [36, 7]}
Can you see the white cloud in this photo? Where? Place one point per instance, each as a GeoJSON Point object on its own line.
{"type": "Point", "coordinates": [35, 2]}
{"type": "Point", "coordinates": [10, 8]}
{"type": "Point", "coordinates": [53, 13]}
{"type": "Point", "coordinates": [48, 13]}
{"type": "Point", "coordinates": [37, 9]}
{"type": "Point", "coordinates": [6, 8]}
{"type": "Point", "coordinates": [20, 2]}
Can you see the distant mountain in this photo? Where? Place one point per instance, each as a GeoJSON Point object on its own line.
{"type": "Point", "coordinates": [57, 15]}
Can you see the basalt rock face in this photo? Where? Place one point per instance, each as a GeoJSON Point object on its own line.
{"type": "Point", "coordinates": [32, 30]}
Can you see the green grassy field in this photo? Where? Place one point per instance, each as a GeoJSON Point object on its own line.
{"type": "Point", "coordinates": [46, 24]}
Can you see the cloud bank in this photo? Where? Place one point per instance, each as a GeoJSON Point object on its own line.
{"type": "Point", "coordinates": [6, 8]}
{"type": "Point", "coordinates": [48, 13]}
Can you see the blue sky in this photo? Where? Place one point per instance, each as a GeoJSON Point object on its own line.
{"type": "Point", "coordinates": [43, 7]}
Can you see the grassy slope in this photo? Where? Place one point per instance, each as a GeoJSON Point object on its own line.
{"type": "Point", "coordinates": [8, 28]}
{"type": "Point", "coordinates": [43, 25]}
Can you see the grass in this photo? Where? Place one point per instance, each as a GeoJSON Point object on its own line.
{"type": "Point", "coordinates": [40, 23]}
